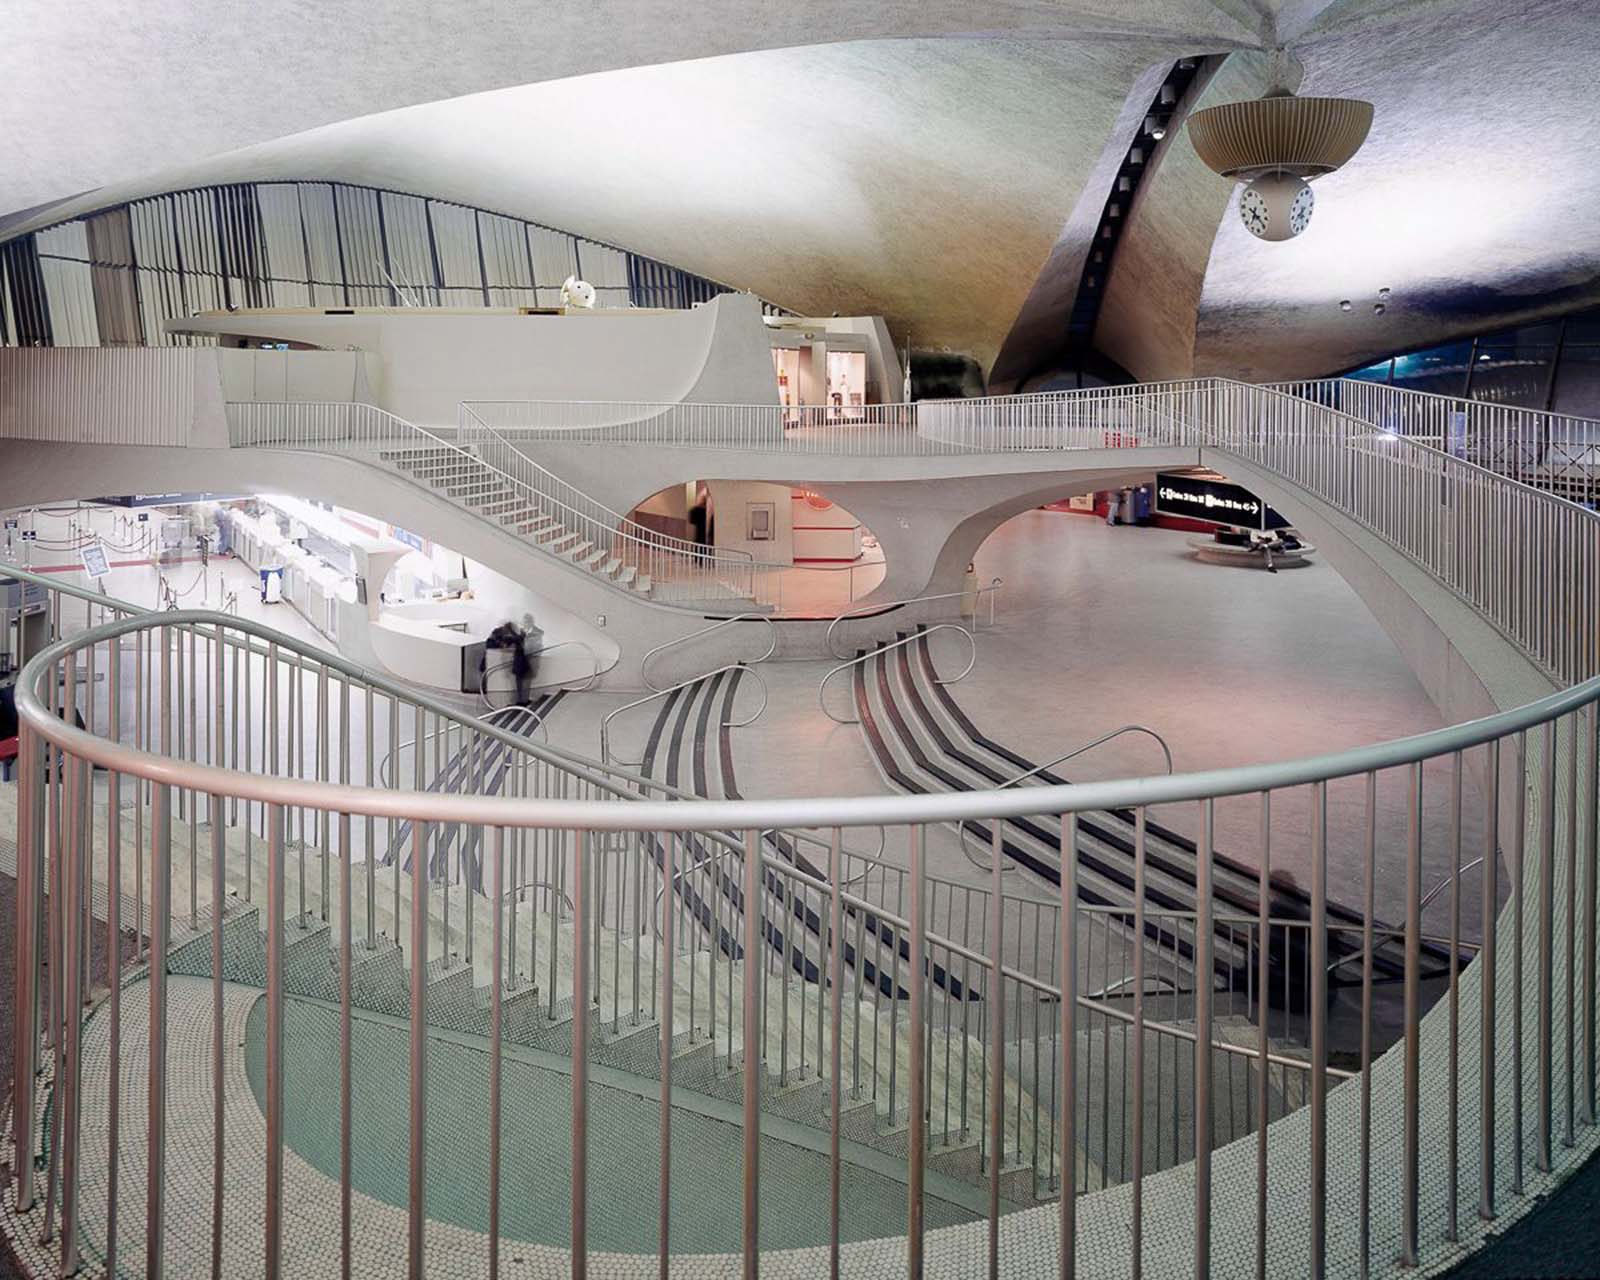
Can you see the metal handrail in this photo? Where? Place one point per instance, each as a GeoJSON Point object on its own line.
{"type": "Point", "coordinates": [539, 884]}
{"type": "Point", "coordinates": [772, 644]}
{"type": "Point", "coordinates": [647, 537]}
{"type": "Point", "coordinates": [885, 648]}
{"type": "Point", "coordinates": [605, 724]}
{"type": "Point", "coordinates": [588, 680]}
{"type": "Point", "coordinates": [875, 608]}
{"type": "Point", "coordinates": [716, 815]}
{"type": "Point", "coordinates": [1166, 751]}
{"type": "Point", "coordinates": [1416, 1106]}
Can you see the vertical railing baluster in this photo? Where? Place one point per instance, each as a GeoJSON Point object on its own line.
{"type": "Point", "coordinates": [496, 1040]}
{"type": "Point", "coordinates": [1488, 918]}
{"type": "Point", "coordinates": [668, 945]}
{"type": "Point", "coordinates": [1412, 1018]}
{"type": "Point", "coordinates": [1067, 1262]}
{"type": "Point", "coordinates": [1546, 953]}
{"type": "Point", "coordinates": [917, 1082]}
{"type": "Point", "coordinates": [276, 821]}
{"type": "Point", "coordinates": [1204, 981]}
{"type": "Point", "coordinates": [582, 1013]}
{"type": "Point", "coordinates": [995, 1050]}
{"type": "Point", "coordinates": [753, 1052]}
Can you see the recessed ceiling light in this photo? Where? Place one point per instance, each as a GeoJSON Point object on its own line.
{"type": "Point", "coordinates": [1384, 292]}
{"type": "Point", "coordinates": [1345, 305]}
{"type": "Point", "coordinates": [1378, 308]}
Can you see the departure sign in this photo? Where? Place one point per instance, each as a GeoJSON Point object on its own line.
{"type": "Point", "coordinates": [1214, 500]}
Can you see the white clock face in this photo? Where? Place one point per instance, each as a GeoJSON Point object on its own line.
{"type": "Point", "coordinates": [1300, 211]}
{"type": "Point", "coordinates": [1253, 212]}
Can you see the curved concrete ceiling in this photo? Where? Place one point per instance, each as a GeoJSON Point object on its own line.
{"type": "Point", "coordinates": [923, 180]}
{"type": "Point", "coordinates": [1473, 199]}
{"type": "Point", "coordinates": [103, 91]}
{"type": "Point", "coordinates": [937, 178]}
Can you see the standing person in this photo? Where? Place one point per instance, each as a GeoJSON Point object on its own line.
{"type": "Point", "coordinates": [1113, 501]}
{"type": "Point", "coordinates": [506, 638]}
{"type": "Point", "coordinates": [525, 660]}
{"type": "Point", "coordinates": [697, 526]}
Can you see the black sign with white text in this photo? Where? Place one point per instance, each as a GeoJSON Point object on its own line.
{"type": "Point", "coordinates": [1214, 500]}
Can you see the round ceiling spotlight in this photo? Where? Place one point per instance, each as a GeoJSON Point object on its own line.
{"type": "Point", "coordinates": [1278, 144]}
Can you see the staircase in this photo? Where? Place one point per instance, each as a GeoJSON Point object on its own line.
{"type": "Point", "coordinates": [623, 1010]}
{"type": "Point", "coordinates": [923, 741]}
{"type": "Point", "coordinates": [468, 482]}
{"type": "Point", "coordinates": [485, 475]}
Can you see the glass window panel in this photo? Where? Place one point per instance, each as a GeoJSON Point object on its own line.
{"type": "Point", "coordinates": [1518, 376]}
{"type": "Point", "coordinates": [1373, 372]}
{"type": "Point", "coordinates": [1577, 387]}
{"type": "Point", "coordinates": [1441, 370]}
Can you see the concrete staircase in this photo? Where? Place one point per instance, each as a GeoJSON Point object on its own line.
{"type": "Point", "coordinates": [623, 1008]}
{"type": "Point", "coordinates": [622, 559]}
{"type": "Point", "coordinates": [470, 483]}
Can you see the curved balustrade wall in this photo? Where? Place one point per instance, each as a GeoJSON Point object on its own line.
{"type": "Point", "coordinates": [1164, 1060]}
{"type": "Point", "coordinates": [638, 925]}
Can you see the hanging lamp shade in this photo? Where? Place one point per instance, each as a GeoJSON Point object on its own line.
{"type": "Point", "coordinates": [1305, 137]}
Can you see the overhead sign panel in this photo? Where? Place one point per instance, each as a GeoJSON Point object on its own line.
{"type": "Point", "coordinates": [1216, 501]}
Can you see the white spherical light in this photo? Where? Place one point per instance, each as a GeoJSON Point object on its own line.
{"type": "Point", "coordinates": [1276, 206]}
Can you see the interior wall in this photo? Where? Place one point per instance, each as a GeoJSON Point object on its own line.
{"type": "Point", "coordinates": [730, 501]}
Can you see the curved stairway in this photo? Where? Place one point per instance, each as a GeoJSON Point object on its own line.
{"type": "Point", "coordinates": [923, 742]}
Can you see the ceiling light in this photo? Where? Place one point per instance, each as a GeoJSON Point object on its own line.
{"type": "Point", "coordinates": [1124, 183]}
{"type": "Point", "coordinates": [1384, 292]}
{"type": "Point", "coordinates": [1378, 308]}
{"type": "Point", "coordinates": [1276, 144]}
{"type": "Point", "coordinates": [1345, 305]}
{"type": "Point", "coordinates": [1169, 95]}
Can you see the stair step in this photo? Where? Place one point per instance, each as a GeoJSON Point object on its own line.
{"type": "Point", "coordinates": [592, 559]}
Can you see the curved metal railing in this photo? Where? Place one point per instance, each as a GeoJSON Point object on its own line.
{"type": "Point", "coordinates": [1166, 753]}
{"type": "Point", "coordinates": [872, 610]}
{"type": "Point", "coordinates": [772, 644]}
{"type": "Point", "coordinates": [1545, 734]}
{"type": "Point", "coordinates": [972, 661]}
{"type": "Point", "coordinates": [365, 430]}
{"type": "Point", "coordinates": [605, 722]}
{"type": "Point", "coordinates": [1519, 787]}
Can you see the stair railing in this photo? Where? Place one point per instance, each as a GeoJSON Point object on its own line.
{"type": "Point", "coordinates": [663, 557]}
{"type": "Point", "coordinates": [479, 454]}
{"type": "Point", "coordinates": [874, 608]}
{"type": "Point", "coordinates": [772, 645]}
{"type": "Point", "coordinates": [605, 723]}
{"type": "Point", "coordinates": [972, 661]}
{"type": "Point", "coordinates": [1009, 865]}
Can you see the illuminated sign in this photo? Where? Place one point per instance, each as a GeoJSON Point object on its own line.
{"type": "Point", "coordinates": [1216, 501]}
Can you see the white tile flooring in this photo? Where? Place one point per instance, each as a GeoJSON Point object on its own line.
{"type": "Point", "coordinates": [1099, 627]}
